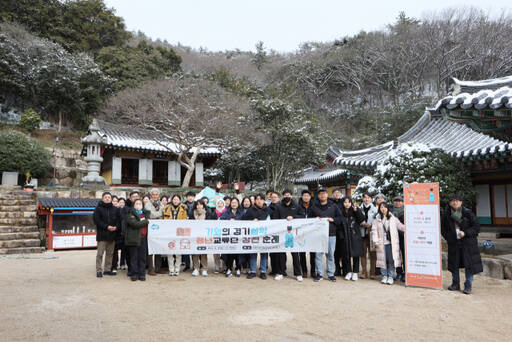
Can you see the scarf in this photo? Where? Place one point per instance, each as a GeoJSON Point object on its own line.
{"type": "Point", "coordinates": [200, 214]}
{"type": "Point", "coordinates": [139, 212]}
{"type": "Point", "coordinates": [220, 212]}
{"type": "Point", "coordinates": [457, 215]}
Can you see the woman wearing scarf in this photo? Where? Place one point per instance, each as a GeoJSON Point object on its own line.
{"type": "Point", "coordinates": [385, 228]}
{"type": "Point", "coordinates": [175, 211]}
{"type": "Point", "coordinates": [136, 239]}
{"type": "Point", "coordinates": [351, 239]}
{"type": "Point", "coordinates": [460, 229]}
{"type": "Point", "coordinates": [220, 208]}
{"type": "Point", "coordinates": [233, 213]}
{"type": "Point", "coordinates": [198, 261]}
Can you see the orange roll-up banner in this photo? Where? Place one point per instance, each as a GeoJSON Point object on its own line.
{"type": "Point", "coordinates": [422, 235]}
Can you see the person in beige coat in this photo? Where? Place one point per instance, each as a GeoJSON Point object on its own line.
{"type": "Point", "coordinates": [384, 232]}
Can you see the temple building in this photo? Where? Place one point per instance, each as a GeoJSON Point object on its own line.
{"type": "Point", "coordinates": [139, 157]}
{"type": "Point", "coordinates": [473, 124]}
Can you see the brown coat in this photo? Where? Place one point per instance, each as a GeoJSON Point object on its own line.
{"type": "Point", "coordinates": [180, 213]}
{"type": "Point", "coordinates": [378, 237]}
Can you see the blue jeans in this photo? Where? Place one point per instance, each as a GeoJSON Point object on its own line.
{"type": "Point", "coordinates": [455, 275]}
{"type": "Point", "coordinates": [263, 262]}
{"type": "Point", "coordinates": [389, 270]}
{"type": "Point", "coordinates": [319, 259]}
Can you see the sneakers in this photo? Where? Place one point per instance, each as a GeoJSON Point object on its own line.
{"type": "Point", "coordinates": [454, 287]}
{"type": "Point", "coordinates": [204, 273]}
{"type": "Point", "coordinates": [114, 271]}
{"type": "Point", "coordinates": [99, 275]}
{"type": "Point", "coordinates": [237, 274]}
{"type": "Point", "coordinates": [467, 290]}
{"type": "Point", "coordinates": [142, 278]}
{"type": "Point", "coordinates": [384, 280]}
{"type": "Point", "coordinates": [299, 278]}
{"type": "Point", "coordinates": [133, 278]}
{"type": "Point", "coordinates": [124, 268]}
{"type": "Point", "coordinates": [332, 278]}
{"type": "Point", "coordinates": [390, 281]}
{"type": "Point", "coordinates": [263, 276]}
{"type": "Point", "coordinates": [348, 276]}
{"type": "Point", "coordinates": [402, 278]}
{"type": "Point", "coordinates": [251, 275]}
{"type": "Point", "coordinates": [152, 272]}
{"type": "Point", "coordinates": [195, 272]}
{"type": "Point", "coordinates": [318, 278]}
{"type": "Point", "coordinates": [229, 273]}
{"type": "Point", "coordinates": [278, 277]}
{"type": "Point", "coordinates": [110, 273]}
{"type": "Point", "coordinates": [354, 276]}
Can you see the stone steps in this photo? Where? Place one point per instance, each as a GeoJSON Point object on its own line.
{"type": "Point", "coordinates": [18, 229]}
{"type": "Point", "coordinates": [20, 243]}
{"type": "Point", "coordinates": [19, 236]}
{"type": "Point", "coordinates": [21, 250]}
{"type": "Point", "coordinates": [19, 232]}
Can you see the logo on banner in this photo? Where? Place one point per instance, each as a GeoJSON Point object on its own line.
{"type": "Point", "coordinates": [172, 244]}
{"type": "Point", "coordinates": [155, 226]}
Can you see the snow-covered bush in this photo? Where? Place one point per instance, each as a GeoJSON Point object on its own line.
{"type": "Point", "coordinates": [420, 163]}
{"type": "Point", "coordinates": [365, 185]}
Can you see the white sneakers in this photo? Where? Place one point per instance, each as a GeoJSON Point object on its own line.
{"type": "Point", "coordinates": [237, 273]}
{"type": "Point", "coordinates": [278, 277]}
{"type": "Point", "coordinates": [355, 276]}
{"type": "Point", "coordinates": [204, 273]}
{"type": "Point", "coordinates": [195, 272]}
{"type": "Point", "coordinates": [299, 278]}
{"type": "Point", "coordinates": [348, 276]}
{"type": "Point", "coordinates": [229, 273]}
{"type": "Point", "coordinates": [387, 280]}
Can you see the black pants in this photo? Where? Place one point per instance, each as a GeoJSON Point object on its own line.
{"type": "Point", "coordinates": [230, 258]}
{"type": "Point", "coordinates": [312, 257]}
{"type": "Point", "coordinates": [278, 261]}
{"type": "Point", "coordinates": [337, 256]}
{"type": "Point", "coordinates": [299, 264]}
{"type": "Point", "coordinates": [185, 259]}
{"type": "Point", "coordinates": [350, 265]}
{"type": "Point", "coordinates": [138, 256]}
{"type": "Point", "coordinates": [401, 237]}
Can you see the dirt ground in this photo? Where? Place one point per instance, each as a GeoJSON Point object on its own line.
{"type": "Point", "coordinates": [57, 297]}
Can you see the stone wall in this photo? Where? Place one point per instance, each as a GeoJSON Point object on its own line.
{"type": "Point", "coordinates": [69, 168]}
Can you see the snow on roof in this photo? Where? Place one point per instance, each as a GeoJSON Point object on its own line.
{"type": "Point", "coordinates": [492, 83]}
{"type": "Point", "coordinates": [142, 139]}
{"type": "Point", "coordinates": [454, 138]}
{"type": "Point", "coordinates": [316, 176]}
{"type": "Point", "coordinates": [485, 98]}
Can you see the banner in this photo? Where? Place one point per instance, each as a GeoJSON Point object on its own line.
{"type": "Point", "coordinates": [422, 235]}
{"type": "Point", "coordinates": [228, 237]}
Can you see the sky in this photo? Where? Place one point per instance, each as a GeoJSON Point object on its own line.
{"type": "Point", "coordinates": [282, 25]}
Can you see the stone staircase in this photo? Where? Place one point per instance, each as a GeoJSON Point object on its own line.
{"type": "Point", "coordinates": [19, 233]}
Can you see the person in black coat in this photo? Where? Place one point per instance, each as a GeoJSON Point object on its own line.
{"type": "Point", "coordinates": [327, 209]}
{"type": "Point", "coordinates": [108, 221]}
{"type": "Point", "coordinates": [258, 212]}
{"type": "Point", "coordinates": [275, 199]}
{"type": "Point", "coordinates": [287, 209]}
{"type": "Point", "coordinates": [299, 259]}
{"type": "Point", "coordinates": [460, 229]}
{"type": "Point", "coordinates": [125, 252]}
{"type": "Point", "coordinates": [337, 198]}
{"type": "Point", "coordinates": [352, 247]}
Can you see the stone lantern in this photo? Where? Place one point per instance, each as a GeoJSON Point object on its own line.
{"type": "Point", "coordinates": [93, 142]}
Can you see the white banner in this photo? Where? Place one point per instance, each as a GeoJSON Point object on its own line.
{"type": "Point", "coordinates": [228, 237]}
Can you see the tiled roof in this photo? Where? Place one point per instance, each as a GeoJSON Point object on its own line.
{"type": "Point", "coordinates": [142, 139]}
{"type": "Point", "coordinates": [315, 176]}
{"type": "Point", "coordinates": [69, 202]}
{"type": "Point", "coordinates": [493, 94]}
{"type": "Point", "coordinates": [454, 138]}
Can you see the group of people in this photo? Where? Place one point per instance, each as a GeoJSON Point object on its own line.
{"type": "Point", "coordinates": [374, 230]}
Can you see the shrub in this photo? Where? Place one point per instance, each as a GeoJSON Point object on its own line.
{"type": "Point", "coordinates": [30, 120]}
{"type": "Point", "coordinates": [21, 153]}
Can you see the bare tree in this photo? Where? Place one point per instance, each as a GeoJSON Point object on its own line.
{"type": "Point", "coordinates": [185, 115]}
